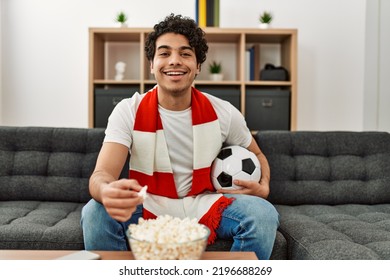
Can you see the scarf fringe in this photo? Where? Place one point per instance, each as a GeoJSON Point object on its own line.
{"type": "Point", "coordinates": [213, 217]}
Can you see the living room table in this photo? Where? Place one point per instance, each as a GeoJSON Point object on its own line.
{"type": "Point", "coordinates": [113, 255]}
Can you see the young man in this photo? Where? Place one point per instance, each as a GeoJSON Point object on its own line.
{"type": "Point", "coordinates": [173, 133]}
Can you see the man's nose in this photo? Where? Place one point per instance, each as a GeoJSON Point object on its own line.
{"type": "Point", "coordinates": [175, 59]}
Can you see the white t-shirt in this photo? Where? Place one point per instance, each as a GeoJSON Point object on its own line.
{"type": "Point", "coordinates": [178, 133]}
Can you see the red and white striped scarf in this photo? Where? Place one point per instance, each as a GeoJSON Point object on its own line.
{"type": "Point", "coordinates": [150, 163]}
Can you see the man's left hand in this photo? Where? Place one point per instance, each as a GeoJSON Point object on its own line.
{"type": "Point", "coordinates": [260, 189]}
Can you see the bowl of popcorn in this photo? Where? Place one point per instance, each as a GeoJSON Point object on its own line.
{"type": "Point", "coordinates": [167, 238]}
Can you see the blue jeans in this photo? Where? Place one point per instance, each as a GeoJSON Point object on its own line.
{"type": "Point", "coordinates": [250, 221]}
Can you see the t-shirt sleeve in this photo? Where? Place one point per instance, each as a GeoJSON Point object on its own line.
{"type": "Point", "coordinates": [234, 129]}
{"type": "Point", "coordinates": [238, 132]}
{"type": "Point", "coordinates": [121, 122]}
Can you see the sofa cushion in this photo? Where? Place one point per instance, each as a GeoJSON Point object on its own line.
{"type": "Point", "coordinates": [47, 164]}
{"type": "Point", "coordinates": [327, 167]}
{"type": "Point", "coordinates": [40, 225]}
{"type": "Point", "coordinates": [349, 231]}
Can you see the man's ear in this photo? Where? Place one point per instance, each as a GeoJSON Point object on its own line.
{"type": "Point", "coordinates": [151, 67]}
{"type": "Point", "coordinates": [198, 68]}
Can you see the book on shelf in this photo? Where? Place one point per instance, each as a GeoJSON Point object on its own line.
{"type": "Point", "coordinates": [207, 12]}
{"type": "Point", "coordinates": [216, 13]}
{"type": "Point", "coordinates": [252, 63]}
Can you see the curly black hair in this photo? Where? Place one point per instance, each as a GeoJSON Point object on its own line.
{"type": "Point", "coordinates": [179, 25]}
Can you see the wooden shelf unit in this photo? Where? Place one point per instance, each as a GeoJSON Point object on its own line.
{"type": "Point", "coordinates": [108, 45]}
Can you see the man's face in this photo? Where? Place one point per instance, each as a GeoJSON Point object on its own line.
{"type": "Point", "coordinates": [174, 64]}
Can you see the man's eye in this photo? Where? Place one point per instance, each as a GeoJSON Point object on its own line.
{"type": "Point", "coordinates": [186, 54]}
{"type": "Point", "coordinates": [163, 54]}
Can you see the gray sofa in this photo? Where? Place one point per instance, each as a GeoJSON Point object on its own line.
{"type": "Point", "coordinates": [331, 189]}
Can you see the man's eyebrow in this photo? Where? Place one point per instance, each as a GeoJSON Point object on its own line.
{"type": "Point", "coordinates": [180, 48]}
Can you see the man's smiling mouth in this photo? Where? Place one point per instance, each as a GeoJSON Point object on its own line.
{"type": "Point", "coordinates": [174, 73]}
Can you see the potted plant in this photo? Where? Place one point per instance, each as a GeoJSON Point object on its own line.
{"type": "Point", "coordinates": [121, 18]}
{"type": "Point", "coordinates": [265, 19]}
{"type": "Point", "coordinates": [215, 69]}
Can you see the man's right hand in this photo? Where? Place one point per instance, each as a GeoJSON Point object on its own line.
{"type": "Point", "coordinates": [120, 198]}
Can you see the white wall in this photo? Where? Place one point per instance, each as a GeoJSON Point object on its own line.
{"type": "Point", "coordinates": [377, 68]}
{"type": "Point", "coordinates": [330, 56]}
{"type": "Point", "coordinates": [45, 54]}
{"type": "Point", "coordinates": [384, 67]}
{"type": "Point", "coordinates": [40, 70]}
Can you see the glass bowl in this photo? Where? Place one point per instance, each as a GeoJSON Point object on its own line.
{"type": "Point", "coordinates": [144, 249]}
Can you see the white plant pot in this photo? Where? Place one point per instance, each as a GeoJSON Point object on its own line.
{"type": "Point", "coordinates": [216, 77]}
{"type": "Point", "coordinates": [120, 24]}
{"type": "Point", "coordinates": [264, 25]}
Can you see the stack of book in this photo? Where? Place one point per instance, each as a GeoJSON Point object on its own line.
{"type": "Point", "coordinates": [207, 12]}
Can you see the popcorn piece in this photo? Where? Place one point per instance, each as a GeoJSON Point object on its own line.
{"type": "Point", "coordinates": [143, 191]}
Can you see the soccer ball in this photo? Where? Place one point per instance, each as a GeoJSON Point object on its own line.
{"type": "Point", "coordinates": [234, 162]}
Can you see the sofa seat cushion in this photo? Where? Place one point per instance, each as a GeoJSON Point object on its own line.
{"type": "Point", "coordinates": [349, 231]}
{"type": "Point", "coordinates": [40, 225]}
